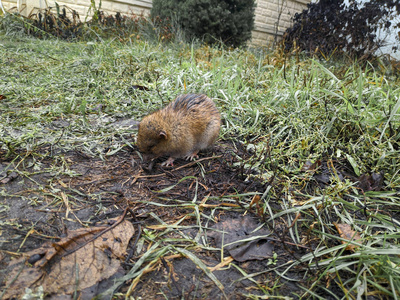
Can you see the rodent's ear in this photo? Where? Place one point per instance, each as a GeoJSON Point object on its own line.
{"type": "Point", "coordinates": [162, 134]}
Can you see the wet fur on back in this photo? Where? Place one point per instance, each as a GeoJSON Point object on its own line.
{"type": "Point", "coordinates": [185, 126]}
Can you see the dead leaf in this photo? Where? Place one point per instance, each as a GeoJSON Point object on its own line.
{"type": "Point", "coordinates": [326, 173]}
{"type": "Point", "coordinates": [309, 166]}
{"type": "Point", "coordinates": [373, 182]}
{"type": "Point", "coordinates": [227, 261]}
{"type": "Point", "coordinates": [256, 200]}
{"type": "Point", "coordinates": [348, 234]}
{"type": "Point", "coordinates": [61, 273]}
{"type": "Point", "coordinates": [2, 97]}
{"type": "Point", "coordinates": [235, 238]}
{"type": "Point", "coordinates": [6, 178]}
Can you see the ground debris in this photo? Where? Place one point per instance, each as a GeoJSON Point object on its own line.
{"type": "Point", "coordinates": [243, 239]}
{"type": "Point", "coordinates": [6, 175]}
{"type": "Point", "coordinates": [310, 166]}
{"type": "Point", "coordinates": [348, 235]}
{"type": "Point", "coordinates": [65, 267]}
{"type": "Point", "coordinates": [327, 173]}
{"type": "Point", "coordinates": [373, 182]}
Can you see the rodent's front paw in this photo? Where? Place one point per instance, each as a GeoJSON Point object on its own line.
{"type": "Point", "coordinates": [192, 156]}
{"type": "Point", "coordinates": [168, 162]}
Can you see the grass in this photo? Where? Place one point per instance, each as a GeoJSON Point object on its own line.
{"type": "Point", "coordinates": [62, 96]}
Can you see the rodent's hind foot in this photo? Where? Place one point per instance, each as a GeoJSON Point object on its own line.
{"type": "Point", "coordinates": [168, 162]}
{"type": "Point", "coordinates": [192, 156]}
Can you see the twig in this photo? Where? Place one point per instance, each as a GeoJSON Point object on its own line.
{"type": "Point", "coordinates": [99, 234]}
{"type": "Point", "coordinates": [169, 271]}
{"type": "Point", "coordinates": [137, 237]}
{"type": "Point", "coordinates": [181, 167]}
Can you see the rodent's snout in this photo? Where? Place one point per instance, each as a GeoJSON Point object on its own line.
{"type": "Point", "coordinates": [148, 157]}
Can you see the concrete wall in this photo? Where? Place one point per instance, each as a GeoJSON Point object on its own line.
{"type": "Point", "coordinates": [272, 17]}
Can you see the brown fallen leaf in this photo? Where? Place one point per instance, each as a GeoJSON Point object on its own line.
{"type": "Point", "coordinates": [373, 182]}
{"type": "Point", "coordinates": [227, 261]}
{"type": "Point", "coordinates": [6, 178]}
{"type": "Point", "coordinates": [61, 270]}
{"type": "Point", "coordinates": [309, 166]}
{"type": "Point", "coordinates": [256, 200]}
{"type": "Point", "coordinates": [348, 234]}
{"type": "Point", "coordinates": [235, 239]}
{"type": "Point", "coordinates": [326, 173]}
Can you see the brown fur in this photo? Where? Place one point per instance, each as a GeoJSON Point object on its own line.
{"type": "Point", "coordinates": [181, 129]}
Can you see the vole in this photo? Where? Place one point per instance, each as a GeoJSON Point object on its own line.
{"type": "Point", "coordinates": [188, 124]}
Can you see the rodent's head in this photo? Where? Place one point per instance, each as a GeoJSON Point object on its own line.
{"type": "Point", "coordinates": [150, 135]}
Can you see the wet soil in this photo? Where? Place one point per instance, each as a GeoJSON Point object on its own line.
{"type": "Point", "coordinates": [34, 211]}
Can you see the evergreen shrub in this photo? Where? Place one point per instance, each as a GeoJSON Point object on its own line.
{"type": "Point", "coordinates": [212, 21]}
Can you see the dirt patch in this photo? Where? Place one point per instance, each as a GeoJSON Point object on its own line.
{"type": "Point", "coordinates": [41, 205]}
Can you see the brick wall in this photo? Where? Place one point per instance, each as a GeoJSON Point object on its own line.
{"type": "Point", "coordinates": [9, 4]}
{"type": "Point", "coordinates": [81, 6]}
{"type": "Point", "coordinates": [272, 17]}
